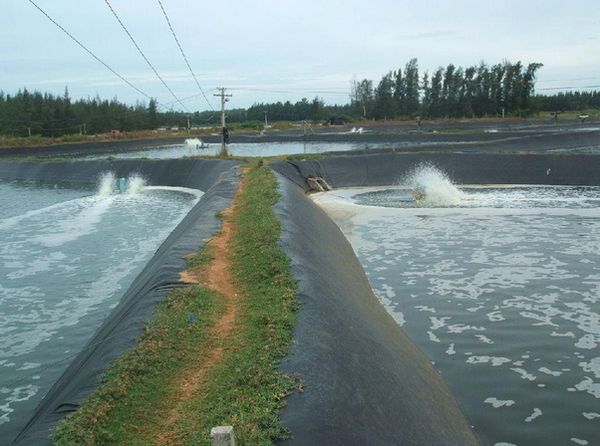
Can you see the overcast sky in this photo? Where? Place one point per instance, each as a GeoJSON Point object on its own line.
{"type": "Point", "coordinates": [283, 50]}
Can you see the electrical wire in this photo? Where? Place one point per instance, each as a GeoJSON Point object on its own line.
{"type": "Point", "coordinates": [87, 50]}
{"type": "Point", "coordinates": [183, 55]}
{"type": "Point", "coordinates": [292, 92]}
{"type": "Point", "coordinates": [582, 87]}
{"type": "Point", "coordinates": [144, 56]}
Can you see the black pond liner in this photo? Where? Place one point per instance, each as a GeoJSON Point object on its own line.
{"type": "Point", "coordinates": [121, 328]}
{"type": "Point", "coordinates": [364, 381]}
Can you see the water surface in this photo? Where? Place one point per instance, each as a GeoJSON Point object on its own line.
{"type": "Point", "coordinates": [500, 287]}
{"type": "Point", "coordinates": [66, 258]}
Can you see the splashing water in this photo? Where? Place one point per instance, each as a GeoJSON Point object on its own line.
{"type": "Point", "coordinates": [432, 187]}
{"type": "Point", "coordinates": [193, 142]}
{"type": "Point", "coordinates": [106, 184]}
{"type": "Point", "coordinates": [135, 184]}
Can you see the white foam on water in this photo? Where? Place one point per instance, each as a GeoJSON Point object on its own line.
{"type": "Point", "coordinates": [494, 361]}
{"type": "Point", "coordinates": [15, 395]}
{"type": "Point", "coordinates": [193, 142]}
{"type": "Point", "coordinates": [106, 184]}
{"type": "Point", "coordinates": [536, 413]}
{"type": "Point", "coordinates": [593, 366]}
{"type": "Point", "coordinates": [32, 318]}
{"type": "Point", "coordinates": [496, 403]}
{"type": "Point", "coordinates": [533, 268]}
{"type": "Point", "coordinates": [13, 221]}
{"type": "Point", "coordinates": [524, 374]}
{"type": "Point", "coordinates": [484, 339]}
{"type": "Point", "coordinates": [186, 190]}
{"type": "Point", "coordinates": [589, 386]}
{"type": "Point", "coordinates": [135, 184]}
{"type": "Point", "coordinates": [547, 371]}
{"type": "Point", "coordinates": [78, 222]}
{"type": "Point", "coordinates": [591, 415]}
{"type": "Point", "coordinates": [433, 187]}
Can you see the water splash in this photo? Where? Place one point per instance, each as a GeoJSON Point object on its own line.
{"type": "Point", "coordinates": [193, 142]}
{"type": "Point", "coordinates": [432, 187]}
{"type": "Point", "coordinates": [106, 184]}
{"type": "Point", "coordinates": [135, 184]}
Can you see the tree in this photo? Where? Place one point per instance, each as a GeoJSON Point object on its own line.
{"type": "Point", "coordinates": [528, 84]}
{"type": "Point", "coordinates": [399, 93]}
{"type": "Point", "coordinates": [450, 91]}
{"type": "Point", "coordinates": [152, 114]}
{"type": "Point", "coordinates": [466, 93]}
{"type": "Point", "coordinates": [384, 99]}
{"type": "Point", "coordinates": [426, 101]}
{"type": "Point", "coordinates": [411, 81]}
{"type": "Point", "coordinates": [436, 107]}
{"type": "Point", "coordinates": [365, 97]}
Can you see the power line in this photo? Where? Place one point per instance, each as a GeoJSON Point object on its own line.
{"type": "Point", "coordinates": [293, 92]}
{"type": "Point", "coordinates": [143, 55]}
{"type": "Point", "coordinates": [567, 80]}
{"type": "Point", "coordinates": [87, 50]}
{"type": "Point", "coordinates": [582, 87]}
{"type": "Point", "coordinates": [183, 54]}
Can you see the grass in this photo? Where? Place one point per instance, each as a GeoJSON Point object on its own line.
{"type": "Point", "coordinates": [201, 258]}
{"type": "Point", "coordinates": [37, 140]}
{"type": "Point", "coordinates": [245, 387]}
{"type": "Point", "coordinates": [137, 386]}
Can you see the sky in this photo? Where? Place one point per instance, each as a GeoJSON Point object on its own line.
{"type": "Point", "coordinates": [278, 50]}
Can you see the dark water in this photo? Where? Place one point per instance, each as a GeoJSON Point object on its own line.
{"type": "Point", "coordinates": [66, 258]}
{"type": "Point", "coordinates": [502, 293]}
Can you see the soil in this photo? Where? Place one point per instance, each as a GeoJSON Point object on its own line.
{"type": "Point", "coordinates": [215, 276]}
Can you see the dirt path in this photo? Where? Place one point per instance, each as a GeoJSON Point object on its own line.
{"type": "Point", "coordinates": [215, 276]}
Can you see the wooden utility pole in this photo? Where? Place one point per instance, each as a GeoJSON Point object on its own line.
{"type": "Point", "coordinates": [224, 132]}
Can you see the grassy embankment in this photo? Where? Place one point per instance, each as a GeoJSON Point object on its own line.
{"type": "Point", "coordinates": [146, 398]}
{"type": "Point", "coordinates": [41, 141]}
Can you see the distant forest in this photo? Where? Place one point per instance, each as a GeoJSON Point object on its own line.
{"type": "Point", "coordinates": [451, 92]}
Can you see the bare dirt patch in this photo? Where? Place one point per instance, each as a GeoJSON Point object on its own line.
{"type": "Point", "coordinates": [215, 276]}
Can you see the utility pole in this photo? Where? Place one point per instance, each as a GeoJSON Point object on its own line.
{"type": "Point", "coordinates": [266, 122]}
{"type": "Point", "coordinates": [224, 132]}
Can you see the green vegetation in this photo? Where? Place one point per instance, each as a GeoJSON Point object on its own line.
{"type": "Point", "coordinates": [247, 389]}
{"type": "Point", "coordinates": [243, 385]}
{"type": "Point", "coordinates": [201, 258]}
{"type": "Point", "coordinates": [138, 386]}
{"type": "Point", "coordinates": [448, 92]}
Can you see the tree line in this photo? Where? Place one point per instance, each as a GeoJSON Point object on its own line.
{"type": "Point", "coordinates": [571, 100]}
{"type": "Point", "coordinates": [35, 113]}
{"type": "Point", "coordinates": [448, 92]}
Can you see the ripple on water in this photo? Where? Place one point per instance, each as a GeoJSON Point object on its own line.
{"type": "Point", "coordinates": [512, 286]}
{"type": "Point", "coordinates": [63, 270]}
